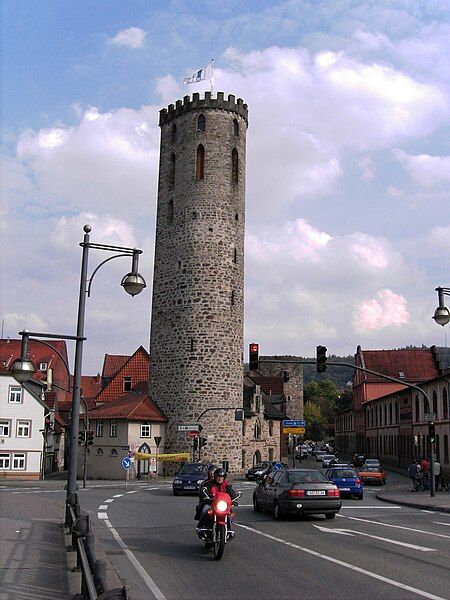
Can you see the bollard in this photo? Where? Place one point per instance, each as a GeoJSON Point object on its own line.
{"type": "Point", "coordinates": [100, 575]}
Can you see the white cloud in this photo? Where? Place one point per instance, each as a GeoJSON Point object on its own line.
{"type": "Point", "coordinates": [133, 37]}
{"type": "Point", "coordinates": [15, 322]}
{"type": "Point", "coordinates": [367, 168]}
{"type": "Point", "coordinates": [389, 309]}
{"type": "Point", "coordinates": [427, 170]}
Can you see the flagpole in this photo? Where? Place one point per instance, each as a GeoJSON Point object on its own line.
{"type": "Point", "coordinates": [212, 75]}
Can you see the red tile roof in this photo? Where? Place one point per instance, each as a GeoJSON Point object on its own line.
{"type": "Point", "coordinates": [136, 367]}
{"type": "Point", "coordinates": [416, 364]}
{"type": "Point", "coordinates": [112, 364]}
{"type": "Point", "coordinates": [134, 406]}
{"type": "Point", "coordinates": [269, 385]}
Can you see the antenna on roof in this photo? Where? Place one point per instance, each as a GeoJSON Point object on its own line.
{"type": "Point", "coordinates": [3, 326]}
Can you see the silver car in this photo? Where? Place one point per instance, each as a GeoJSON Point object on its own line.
{"type": "Point", "coordinates": [328, 460]}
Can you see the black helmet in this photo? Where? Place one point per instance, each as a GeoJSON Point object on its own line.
{"type": "Point", "coordinates": [220, 473]}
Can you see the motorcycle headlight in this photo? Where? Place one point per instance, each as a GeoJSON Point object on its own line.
{"type": "Point", "coordinates": [221, 506]}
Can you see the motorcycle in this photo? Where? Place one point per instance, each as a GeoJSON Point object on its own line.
{"type": "Point", "coordinates": [219, 517]}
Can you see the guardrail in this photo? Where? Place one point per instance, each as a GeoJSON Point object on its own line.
{"type": "Point", "coordinates": [93, 571]}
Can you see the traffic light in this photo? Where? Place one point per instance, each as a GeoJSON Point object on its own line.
{"type": "Point", "coordinates": [432, 432]}
{"type": "Point", "coordinates": [90, 437]}
{"type": "Point", "coordinates": [202, 442]}
{"type": "Point", "coordinates": [321, 359]}
{"type": "Point", "coordinates": [81, 437]}
{"type": "Point", "coordinates": [285, 376]}
{"type": "Point", "coordinates": [253, 357]}
{"type": "Point", "coordinates": [195, 443]}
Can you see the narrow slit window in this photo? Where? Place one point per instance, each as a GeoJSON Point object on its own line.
{"type": "Point", "coordinates": [234, 166]}
{"type": "Point", "coordinates": [235, 255]}
{"type": "Point", "coordinates": [200, 170]}
{"type": "Point", "coordinates": [201, 123]}
{"type": "Point", "coordinates": [170, 212]}
{"type": "Point", "coordinates": [233, 297]}
{"type": "Point", "coordinates": [172, 171]}
{"type": "Point", "coordinates": [174, 133]}
{"type": "Point", "coordinates": [192, 344]}
{"type": "Point", "coordinates": [235, 127]}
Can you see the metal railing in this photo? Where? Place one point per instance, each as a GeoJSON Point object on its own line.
{"type": "Point", "coordinates": [93, 571]}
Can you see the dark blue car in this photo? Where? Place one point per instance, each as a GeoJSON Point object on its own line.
{"type": "Point", "coordinates": [190, 477]}
{"type": "Point", "coordinates": [347, 480]}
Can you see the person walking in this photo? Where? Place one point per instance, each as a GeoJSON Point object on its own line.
{"type": "Point", "coordinates": [412, 474]}
{"type": "Point", "coordinates": [437, 474]}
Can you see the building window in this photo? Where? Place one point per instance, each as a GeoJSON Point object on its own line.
{"type": "Point", "coordinates": [446, 449]}
{"type": "Point", "coordinates": [233, 297]}
{"type": "Point", "coordinates": [270, 454]}
{"type": "Point", "coordinates": [146, 429]}
{"type": "Point", "coordinates": [113, 452]}
{"type": "Point", "coordinates": [113, 428]}
{"type": "Point", "coordinates": [174, 133]}
{"type": "Point", "coordinates": [417, 410]}
{"type": "Point", "coordinates": [201, 123]}
{"type": "Point", "coordinates": [257, 430]}
{"type": "Point", "coordinates": [192, 344]}
{"type": "Point", "coordinates": [235, 127]}
{"type": "Point", "coordinates": [445, 404]}
{"type": "Point", "coordinates": [5, 461]}
{"type": "Point", "coordinates": [99, 452]}
{"type": "Point", "coordinates": [270, 430]}
{"type": "Point", "coordinates": [243, 459]}
{"type": "Point", "coordinates": [234, 166]}
{"type": "Point", "coordinates": [235, 255]}
{"type": "Point", "coordinates": [200, 165]}
{"type": "Point", "coordinates": [99, 429]}
{"type": "Point", "coordinates": [18, 462]}
{"type": "Point", "coordinates": [172, 171]}
{"type": "Point", "coordinates": [5, 428]}
{"type": "Point", "coordinates": [23, 429]}
{"type": "Point", "coordinates": [170, 212]}
{"type": "Point", "coordinates": [127, 384]}
{"type": "Point", "coordinates": [435, 405]}
{"type": "Point", "coordinates": [15, 394]}
{"type": "Point", "coordinates": [43, 366]}
{"type": "Point", "coordinates": [257, 403]}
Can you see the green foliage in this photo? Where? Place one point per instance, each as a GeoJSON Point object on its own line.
{"type": "Point", "coordinates": [340, 375]}
{"type": "Point", "coordinates": [315, 422]}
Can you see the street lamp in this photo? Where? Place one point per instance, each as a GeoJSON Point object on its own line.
{"type": "Point", "coordinates": [23, 368]}
{"type": "Point", "coordinates": [442, 314]}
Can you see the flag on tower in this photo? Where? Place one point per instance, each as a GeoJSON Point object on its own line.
{"type": "Point", "coordinates": [201, 75]}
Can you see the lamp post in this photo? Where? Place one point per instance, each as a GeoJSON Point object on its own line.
{"type": "Point", "coordinates": [442, 314]}
{"type": "Point", "coordinates": [23, 368]}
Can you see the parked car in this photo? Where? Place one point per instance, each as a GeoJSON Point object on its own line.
{"type": "Point", "coordinates": [329, 460]}
{"type": "Point", "coordinates": [190, 477]}
{"type": "Point", "coordinates": [260, 470]}
{"type": "Point", "coordinates": [347, 480]}
{"type": "Point", "coordinates": [301, 451]}
{"type": "Point", "coordinates": [320, 454]}
{"type": "Point", "coordinates": [373, 474]}
{"type": "Point", "coordinates": [297, 492]}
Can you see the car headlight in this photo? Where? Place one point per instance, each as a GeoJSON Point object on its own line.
{"type": "Point", "coordinates": [258, 472]}
{"type": "Point", "coordinates": [177, 481]}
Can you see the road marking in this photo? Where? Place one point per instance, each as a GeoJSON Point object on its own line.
{"type": "Point", "coordinates": [245, 505]}
{"type": "Point", "coordinates": [427, 511]}
{"type": "Point", "coordinates": [376, 537]}
{"type": "Point", "coordinates": [399, 527]}
{"type": "Point", "coordinates": [440, 523]}
{"type": "Point", "coordinates": [133, 492]}
{"type": "Point", "coordinates": [102, 515]}
{"type": "Point", "coordinates": [103, 507]}
{"type": "Point", "coordinates": [397, 584]}
{"type": "Point", "coordinates": [372, 507]}
{"type": "Point", "coordinates": [118, 496]}
{"type": "Point", "coordinates": [110, 500]}
{"type": "Point", "coordinates": [137, 565]}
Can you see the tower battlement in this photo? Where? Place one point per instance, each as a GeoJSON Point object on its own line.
{"type": "Point", "coordinates": [166, 115]}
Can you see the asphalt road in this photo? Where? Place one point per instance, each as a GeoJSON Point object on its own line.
{"type": "Point", "coordinates": [371, 550]}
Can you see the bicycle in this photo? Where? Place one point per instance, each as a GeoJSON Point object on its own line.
{"type": "Point", "coordinates": [443, 485]}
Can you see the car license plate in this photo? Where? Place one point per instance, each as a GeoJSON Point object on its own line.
{"type": "Point", "coordinates": [345, 489]}
{"type": "Point", "coordinates": [189, 487]}
{"type": "Point", "coordinates": [315, 492]}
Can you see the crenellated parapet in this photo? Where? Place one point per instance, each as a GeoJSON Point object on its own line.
{"type": "Point", "coordinates": [166, 115]}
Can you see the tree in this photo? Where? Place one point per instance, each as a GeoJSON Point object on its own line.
{"type": "Point", "coordinates": [325, 395]}
{"type": "Point", "coordinates": [315, 422]}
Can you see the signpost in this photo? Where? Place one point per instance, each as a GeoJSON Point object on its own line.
{"type": "Point", "coordinates": [157, 439]}
{"type": "Point", "coordinates": [126, 464]}
{"type": "Point", "coordinates": [190, 427]}
{"type": "Point", "coordinates": [193, 434]}
{"type": "Point", "coordinates": [297, 427]}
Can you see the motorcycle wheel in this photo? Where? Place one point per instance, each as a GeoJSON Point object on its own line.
{"type": "Point", "coordinates": [219, 542]}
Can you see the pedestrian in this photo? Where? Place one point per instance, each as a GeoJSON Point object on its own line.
{"type": "Point", "coordinates": [412, 474]}
{"type": "Point", "coordinates": [425, 464]}
{"type": "Point", "coordinates": [437, 474]}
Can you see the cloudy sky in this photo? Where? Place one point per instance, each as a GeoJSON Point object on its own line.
{"type": "Point", "coordinates": [348, 169]}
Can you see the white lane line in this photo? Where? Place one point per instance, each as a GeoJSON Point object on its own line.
{"type": "Point", "coordinates": [133, 492]}
{"type": "Point", "coordinates": [427, 511]}
{"type": "Point", "coordinates": [397, 584]}
{"type": "Point", "coordinates": [137, 565]}
{"type": "Point", "coordinates": [245, 505]}
{"type": "Point", "coordinates": [110, 500]}
{"type": "Point", "coordinates": [153, 488]}
{"type": "Point", "coordinates": [441, 523]}
{"type": "Point", "coordinates": [376, 537]}
{"type": "Point", "coordinates": [399, 527]}
{"type": "Point", "coordinates": [118, 496]}
{"type": "Point", "coordinates": [102, 515]}
{"type": "Point", "coordinates": [103, 507]}
{"type": "Point", "coordinates": [372, 507]}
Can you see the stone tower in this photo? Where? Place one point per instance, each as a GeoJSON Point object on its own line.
{"type": "Point", "coordinates": [196, 339]}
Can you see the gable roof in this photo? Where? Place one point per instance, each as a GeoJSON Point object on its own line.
{"type": "Point", "coordinates": [136, 367]}
{"type": "Point", "coordinates": [417, 364]}
{"type": "Point", "coordinates": [112, 364]}
{"type": "Point", "coordinates": [133, 406]}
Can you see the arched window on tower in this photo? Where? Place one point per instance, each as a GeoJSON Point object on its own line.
{"type": "Point", "coordinates": [445, 404]}
{"type": "Point", "coordinates": [170, 212]}
{"type": "Point", "coordinates": [200, 166]}
{"type": "Point", "coordinates": [235, 127]}
{"type": "Point", "coordinates": [174, 133]}
{"type": "Point", "coordinates": [435, 404]}
{"type": "Point", "coordinates": [257, 430]}
{"type": "Point", "coordinates": [201, 123]}
{"type": "Point", "coordinates": [234, 166]}
{"type": "Point", "coordinates": [172, 171]}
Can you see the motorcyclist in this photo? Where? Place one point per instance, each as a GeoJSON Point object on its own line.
{"type": "Point", "coordinates": [208, 490]}
{"type": "Point", "coordinates": [199, 506]}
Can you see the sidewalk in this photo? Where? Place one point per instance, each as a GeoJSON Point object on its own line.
{"type": "Point", "coordinates": [33, 560]}
{"type": "Point", "coordinates": [400, 494]}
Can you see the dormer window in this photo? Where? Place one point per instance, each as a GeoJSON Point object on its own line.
{"type": "Point", "coordinates": [127, 384]}
{"type": "Point", "coordinates": [43, 366]}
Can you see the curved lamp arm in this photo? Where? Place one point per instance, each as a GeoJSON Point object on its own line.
{"type": "Point", "coordinates": [101, 264]}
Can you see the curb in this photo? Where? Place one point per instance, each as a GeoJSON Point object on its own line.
{"type": "Point", "coordinates": [434, 508]}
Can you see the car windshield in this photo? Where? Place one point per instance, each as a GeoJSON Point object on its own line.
{"type": "Point", "coordinates": [341, 473]}
{"type": "Point", "coordinates": [194, 470]}
{"type": "Point", "coordinates": [305, 477]}
{"type": "Point", "coordinates": [372, 462]}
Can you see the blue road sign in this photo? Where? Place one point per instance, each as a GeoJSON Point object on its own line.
{"type": "Point", "coordinates": [126, 463]}
{"type": "Point", "coordinates": [277, 466]}
{"type": "Point", "coordinates": [287, 423]}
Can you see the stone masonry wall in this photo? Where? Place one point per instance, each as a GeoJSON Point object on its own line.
{"type": "Point", "coordinates": [196, 337]}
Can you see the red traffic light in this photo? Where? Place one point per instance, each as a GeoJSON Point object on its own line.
{"type": "Point", "coordinates": [253, 357]}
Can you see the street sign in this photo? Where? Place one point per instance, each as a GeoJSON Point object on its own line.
{"type": "Point", "coordinates": [126, 463]}
{"type": "Point", "coordinates": [430, 416]}
{"type": "Point", "coordinates": [193, 434]}
{"type": "Point", "coordinates": [277, 466]}
{"type": "Point", "coordinates": [295, 430]}
{"type": "Point", "coordinates": [125, 448]}
{"type": "Point", "coordinates": [291, 423]}
{"type": "Point", "coordinates": [190, 427]}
